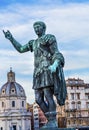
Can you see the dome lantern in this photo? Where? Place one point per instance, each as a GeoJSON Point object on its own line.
{"type": "Point", "coordinates": [11, 76]}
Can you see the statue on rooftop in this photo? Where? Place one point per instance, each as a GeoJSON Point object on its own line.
{"type": "Point", "coordinates": [48, 77]}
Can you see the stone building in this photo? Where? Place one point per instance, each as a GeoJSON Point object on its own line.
{"type": "Point", "coordinates": [30, 108]}
{"type": "Point", "coordinates": [77, 103]}
{"type": "Point", "coordinates": [38, 117]}
{"type": "Point", "coordinates": [13, 112]}
{"type": "Point", "coordinates": [61, 117]}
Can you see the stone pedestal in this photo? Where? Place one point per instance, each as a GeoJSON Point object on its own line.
{"type": "Point", "coordinates": [50, 128]}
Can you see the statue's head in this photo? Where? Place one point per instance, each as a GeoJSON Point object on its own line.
{"type": "Point", "coordinates": [39, 27]}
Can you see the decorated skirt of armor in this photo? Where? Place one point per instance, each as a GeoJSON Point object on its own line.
{"type": "Point", "coordinates": [42, 76]}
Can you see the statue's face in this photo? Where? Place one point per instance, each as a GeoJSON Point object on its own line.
{"type": "Point", "coordinates": [38, 29]}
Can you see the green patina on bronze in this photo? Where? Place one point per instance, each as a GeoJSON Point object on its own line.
{"type": "Point", "coordinates": [48, 77]}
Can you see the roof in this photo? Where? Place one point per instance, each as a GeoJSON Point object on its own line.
{"type": "Point", "coordinates": [11, 87]}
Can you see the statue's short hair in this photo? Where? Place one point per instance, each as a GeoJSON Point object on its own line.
{"type": "Point", "coordinates": [40, 23]}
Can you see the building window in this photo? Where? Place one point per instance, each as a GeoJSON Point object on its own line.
{"type": "Point", "coordinates": [73, 105]}
{"type": "Point", "coordinates": [78, 95]}
{"type": "Point", "coordinates": [77, 87]}
{"type": "Point", "coordinates": [87, 104]}
{"type": "Point", "coordinates": [74, 122]}
{"type": "Point", "coordinates": [79, 105]}
{"type": "Point", "coordinates": [79, 114]}
{"type": "Point", "coordinates": [12, 90]}
{"type": "Point", "coordinates": [22, 103]}
{"type": "Point", "coordinates": [73, 114]}
{"type": "Point", "coordinates": [87, 95]}
{"type": "Point", "coordinates": [68, 122]}
{"type": "Point", "coordinates": [3, 91]}
{"type": "Point", "coordinates": [71, 87]}
{"type": "Point", "coordinates": [88, 113]}
{"type": "Point", "coordinates": [20, 128]}
{"type": "Point", "coordinates": [14, 127]}
{"type": "Point", "coordinates": [80, 121]}
{"type": "Point", "coordinates": [68, 114]}
{"type": "Point", "coordinates": [3, 104]}
{"type": "Point", "coordinates": [1, 128]}
{"type": "Point", "coordinates": [13, 103]}
{"type": "Point", "coordinates": [72, 96]}
{"type": "Point", "coordinates": [35, 118]}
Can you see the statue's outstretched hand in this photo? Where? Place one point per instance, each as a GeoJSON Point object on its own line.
{"type": "Point", "coordinates": [7, 34]}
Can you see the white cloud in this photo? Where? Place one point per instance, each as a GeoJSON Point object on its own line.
{"type": "Point", "coordinates": [71, 22]}
{"type": "Point", "coordinates": [27, 85]}
{"type": "Point", "coordinates": [21, 62]}
{"type": "Point", "coordinates": [76, 59]}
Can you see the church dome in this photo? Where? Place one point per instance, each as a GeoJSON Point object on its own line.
{"type": "Point", "coordinates": [12, 88]}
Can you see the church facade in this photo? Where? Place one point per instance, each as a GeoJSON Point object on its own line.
{"type": "Point", "coordinates": [13, 112]}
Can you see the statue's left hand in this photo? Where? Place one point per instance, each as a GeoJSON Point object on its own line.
{"type": "Point", "coordinates": [53, 67]}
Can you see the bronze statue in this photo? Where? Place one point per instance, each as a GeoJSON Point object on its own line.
{"type": "Point", "coordinates": [48, 77]}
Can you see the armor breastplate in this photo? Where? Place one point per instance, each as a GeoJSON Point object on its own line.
{"type": "Point", "coordinates": [41, 58]}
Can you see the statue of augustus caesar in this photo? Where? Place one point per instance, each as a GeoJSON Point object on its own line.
{"type": "Point", "coordinates": [48, 77]}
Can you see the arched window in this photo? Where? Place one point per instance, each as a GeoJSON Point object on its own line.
{"type": "Point", "coordinates": [13, 103]}
{"type": "Point", "coordinates": [22, 103]}
{"type": "Point", "coordinates": [78, 95]}
{"type": "Point", "coordinates": [3, 104]}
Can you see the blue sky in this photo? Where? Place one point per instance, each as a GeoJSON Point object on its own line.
{"type": "Point", "coordinates": [68, 20]}
{"type": "Point", "coordinates": [5, 2]}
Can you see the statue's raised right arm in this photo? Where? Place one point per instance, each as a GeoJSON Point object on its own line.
{"type": "Point", "coordinates": [16, 44]}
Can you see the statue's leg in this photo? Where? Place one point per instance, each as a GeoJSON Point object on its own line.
{"type": "Point", "coordinates": [48, 93]}
{"type": "Point", "coordinates": [39, 97]}
{"type": "Point", "coordinates": [51, 114]}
